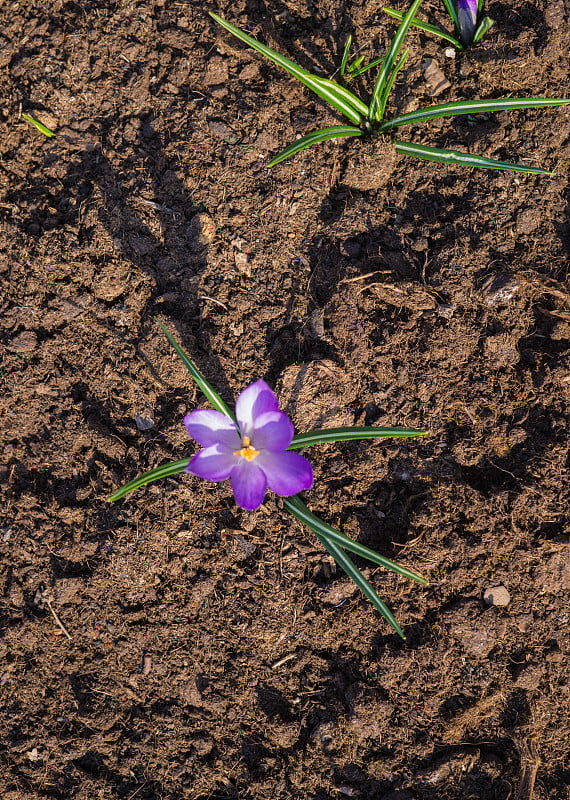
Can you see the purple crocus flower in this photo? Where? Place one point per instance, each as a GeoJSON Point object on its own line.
{"type": "Point", "coordinates": [467, 11]}
{"type": "Point", "coordinates": [255, 455]}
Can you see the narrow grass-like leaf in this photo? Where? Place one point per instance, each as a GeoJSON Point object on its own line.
{"type": "Point", "coordinates": [164, 471]}
{"type": "Point", "coordinates": [374, 112]}
{"type": "Point", "coordinates": [355, 64]}
{"type": "Point", "coordinates": [300, 440]}
{"type": "Point", "coordinates": [356, 576]}
{"type": "Point", "coordinates": [327, 435]}
{"type": "Point", "coordinates": [463, 159]}
{"type": "Point", "coordinates": [452, 11]}
{"type": "Point", "coordinates": [462, 107]}
{"type": "Point", "coordinates": [354, 73]}
{"type": "Point", "coordinates": [425, 26]}
{"type": "Point", "coordinates": [345, 56]}
{"type": "Point", "coordinates": [336, 132]}
{"type": "Point", "coordinates": [482, 29]}
{"type": "Point", "coordinates": [337, 96]}
{"type": "Point", "coordinates": [200, 380]}
{"type": "Point", "coordinates": [39, 125]}
{"type": "Point", "coordinates": [390, 81]}
{"type": "Point", "coordinates": [296, 507]}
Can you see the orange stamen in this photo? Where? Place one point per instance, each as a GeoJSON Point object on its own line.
{"type": "Point", "coordinates": [247, 451]}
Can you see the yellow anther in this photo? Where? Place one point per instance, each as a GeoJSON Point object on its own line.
{"type": "Point", "coordinates": [247, 451]}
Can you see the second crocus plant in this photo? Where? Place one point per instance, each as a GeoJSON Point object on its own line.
{"type": "Point", "coordinates": [253, 447]}
{"type": "Point", "coordinates": [369, 118]}
{"type": "Point", "coordinates": [467, 17]}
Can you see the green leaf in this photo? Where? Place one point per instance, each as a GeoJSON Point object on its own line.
{"type": "Point", "coordinates": [375, 111]}
{"type": "Point", "coordinates": [425, 26]}
{"type": "Point", "coordinates": [296, 507]}
{"type": "Point", "coordinates": [452, 11]}
{"type": "Point", "coordinates": [200, 380]}
{"type": "Point", "coordinates": [463, 159]}
{"type": "Point", "coordinates": [39, 125]}
{"type": "Point", "coordinates": [299, 440]}
{"type": "Point", "coordinates": [327, 435]}
{"type": "Point", "coordinates": [355, 64]}
{"type": "Point", "coordinates": [315, 137]}
{"type": "Point", "coordinates": [164, 471]}
{"type": "Point", "coordinates": [337, 96]}
{"type": "Point", "coordinates": [470, 107]}
{"type": "Point", "coordinates": [353, 573]}
{"type": "Point", "coordinates": [390, 81]}
{"type": "Point", "coordinates": [354, 73]}
{"type": "Point", "coordinates": [482, 29]}
{"type": "Point", "coordinates": [345, 55]}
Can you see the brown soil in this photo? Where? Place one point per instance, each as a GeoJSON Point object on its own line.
{"type": "Point", "coordinates": [213, 653]}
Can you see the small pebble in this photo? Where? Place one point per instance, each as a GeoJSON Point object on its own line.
{"type": "Point", "coordinates": [434, 77]}
{"type": "Point", "coordinates": [143, 422]}
{"type": "Point", "coordinates": [242, 263]}
{"type": "Point", "coordinates": [201, 230]}
{"type": "Point", "coordinates": [497, 596]}
{"type": "Point", "coordinates": [25, 342]}
{"type": "Point", "coordinates": [446, 310]}
{"type": "Point", "coordinates": [499, 289]}
{"type": "Point", "coordinates": [449, 52]}
{"type": "Point", "coordinates": [524, 622]}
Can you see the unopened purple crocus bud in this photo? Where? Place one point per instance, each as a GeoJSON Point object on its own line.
{"type": "Point", "coordinates": [467, 16]}
{"type": "Point", "coordinates": [255, 456]}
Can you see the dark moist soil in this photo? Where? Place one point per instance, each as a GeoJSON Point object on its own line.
{"type": "Point", "coordinates": [173, 646]}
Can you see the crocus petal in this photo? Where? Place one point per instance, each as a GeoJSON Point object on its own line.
{"type": "Point", "coordinates": [273, 431]}
{"type": "Point", "coordinates": [254, 401]}
{"type": "Point", "coordinates": [287, 473]}
{"type": "Point", "coordinates": [214, 463]}
{"type": "Point", "coordinates": [249, 484]}
{"type": "Point", "coordinates": [212, 427]}
{"type": "Point", "coordinates": [467, 17]}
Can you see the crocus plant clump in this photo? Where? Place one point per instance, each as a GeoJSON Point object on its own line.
{"type": "Point", "coordinates": [252, 447]}
{"type": "Point", "coordinates": [467, 18]}
{"type": "Point", "coordinates": [369, 118]}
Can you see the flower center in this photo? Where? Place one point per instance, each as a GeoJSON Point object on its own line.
{"type": "Point", "coordinates": [247, 451]}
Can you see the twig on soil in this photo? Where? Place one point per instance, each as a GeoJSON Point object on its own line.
{"type": "Point", "coordinates": [283, 660]}
{"type": "Point", "coordinates": [137, 790]}
{"type": "Point", "coordinates": [59, 623]}
{"type": "Point", "coordinates": [212, 300]}
{"type": "Point", "coordinates": [368, 275]}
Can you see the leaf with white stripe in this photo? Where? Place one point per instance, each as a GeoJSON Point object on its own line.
{"type": "Point", "coordinates": [452, 11]}
{"type": "Point", "coordinates": [390, 81]}
{"type": "Point", "coordinates": [471, 107]}
{"type": "Point", "coordinates": [425, 26]}
{"type": "Point", "coordinates": [322, 135]}
{"type": "Point", "coordinates": [375, 110]}
{"type": "Point", "coordinates": [164, 471]}
{"type": "Point", "coordinates": [344, 101]}
{"type": "Point", "coordinates": [297, 508]}
{"type": "Point", "coordinates": [462, 159]}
